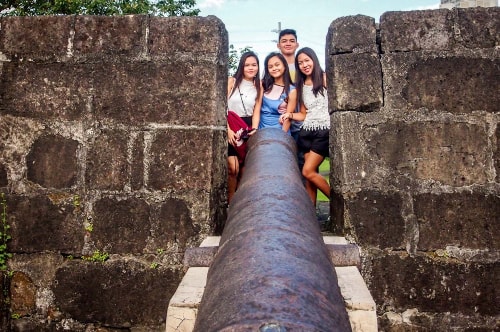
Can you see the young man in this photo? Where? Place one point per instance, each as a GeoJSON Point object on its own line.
{"type": "Point", "coordinates": [288, 45]}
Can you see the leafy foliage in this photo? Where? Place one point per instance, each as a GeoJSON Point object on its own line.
{"type": "Point", "coordinates": [98, 7]}
{"type": "Point", "coordinates": [4, 234]}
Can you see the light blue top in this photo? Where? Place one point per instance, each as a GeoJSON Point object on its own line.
{"type": "Point", "coordinates": [272, 108]}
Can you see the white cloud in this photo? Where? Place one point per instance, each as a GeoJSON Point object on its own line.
{"type": "Point", "coordinates": [435, 6]}
{"type": "Point", "coordinates": [211, 4]}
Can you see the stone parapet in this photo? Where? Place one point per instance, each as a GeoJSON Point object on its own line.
{"type": "Point", "coordinates": [108, 169]}
{"type": "Point", "coordinates": [415, 162]}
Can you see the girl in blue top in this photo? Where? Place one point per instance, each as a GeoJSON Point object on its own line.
{"type": "Point", "coordinates": [279, 94]}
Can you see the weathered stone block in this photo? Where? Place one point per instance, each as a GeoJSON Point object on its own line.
{"type": "Point", "coordinates": [175, 226]}
{"type": "Point", "coordinates": [414, 80]}
{"type": "Point", "coordinates": [496, 154]}
{"type": "Point", "coordinates": [355, 82]}
{"type": "Point", "coordinates": [175, 165]}
{"type": "Point", "coordinates": [52, 162]}
{"type": "Point", "coordinates": [478, 92]}
{"type": "Point", "coordinates": [204, 37]}
{"type": "Point", "coordinates": [121, 225]}
{"type": "Point", "coordinates": [454, 154]}
{"type": "Point", "coordinates": [376, 219]}
{"type": "Point", "coordinates": [104, 36]}
{"type": "Point", "coordinates": [145, 92]}
{"type": "Point", "coordinates": [468, 220]}
{"type": "Point", "coordinates": [3, 176]}
{"type": "Point", "coordinates": [137, 172]}
{"type": "Point", "coordinates": [429, 30]}
{"type": "Point", "coordinates": [477, 27]}
{"type": "Point", "coordinates": [350, 166]}
{"type": "Point", "coordinates": [22, 294]}
{"type": "Point", "coordinates": [411, 320]}
{"type": "Point", "coordinates": [44, 223]}
{"type": "Point", "coordinates": [434, 284]}
{"type": "Point", "coordinates": [107, 162]}
{"type": "Point", "coordinates": [4, 312]}
{"type": "Point", "coordinates": [35, 37]}
{"type": "Point", "coordinates": [53, 90]}
{"type": "Point", "coordinates": [116, 293]}
{"type": "Point", "coordinates": [352, 34]}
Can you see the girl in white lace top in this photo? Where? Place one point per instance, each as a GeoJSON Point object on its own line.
{"type": "Point", "coordinates": [314, 133]}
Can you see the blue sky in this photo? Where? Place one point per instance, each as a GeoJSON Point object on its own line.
{"type": "Point", "coordinates": [250, 22]}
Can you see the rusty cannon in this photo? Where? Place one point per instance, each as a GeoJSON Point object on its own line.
{"type": "Point", "coordinates": [272, 271]}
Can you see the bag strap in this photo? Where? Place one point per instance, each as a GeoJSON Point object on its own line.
{"type": "Point", "coordinates": [242, 103]}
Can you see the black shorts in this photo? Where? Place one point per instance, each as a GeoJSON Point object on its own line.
{"type": "Point", "coordinates": [314, 140]}
{"type": "Point", "coordinates": [231, 151]}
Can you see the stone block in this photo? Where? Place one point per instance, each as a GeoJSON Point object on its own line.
{"type": "Point", "coordinates": [175, 228]}
{"type": "Point", "coordinates": [52, 162]}
{"type": "Point", "coordinates": [352, 34]}
{"type": "Point", "coordinates": [204, 37]}
{"type": "Point", "coordinates": [110, 36]}
{"type": "Point", "coordinates": [375, 219]}
{"type": "Point", "coordinates": [155, 92]}
{"type": "Point", "coordinates": [137, 165]}
{"type": "Point", "coordinates": [46, 91]}
{"type": "Point", "coordinates": [107, 161]}
{"type": "Point", "coordinates": [4, 298]}
{"type": "Point", "coordinates": [22, 294]}
{"type": "Point", "coordinates": [118, 293]}
{"type": "Point", "coordinates": [44, 223]}
{"type": "Point", "coordinates": [478, 92]}
{"type": "Point", "coordinates": [416, 80]}
{"type": "Point", "coordinates": [496, 154]}
{"type": "Point", "coordinates": [3, 176]}
{"type": "Point", "coordinates": [37, 38]}
{"type": "Point", "coordinates": [466, 220]}
{"type": "Point", "coordinates": [174, 163]}
{"type": "Point", "coordinates": [477, 27]}
{"type": "Point", "coordinates": [434, 285]}
{"type": "Point", "coordinates": [421, 30]}
{"type": "Point", "coordinates": [351, 166]}
{"type": "Point", "coordinates": [454, 154]}
{"type": "Point", "coordinates": [355, 82]}
{"type": "Point", "coordinates": [121, 225]}
{"type": "Point", "coordinates": [411, 320]}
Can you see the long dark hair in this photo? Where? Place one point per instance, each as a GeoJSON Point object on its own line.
{"type": "Point", "coordinates": [268, 80]}
{"type": "Point", "coordinates": [317, 74]}
{"type": "Point", "coordinates": [239, 75]}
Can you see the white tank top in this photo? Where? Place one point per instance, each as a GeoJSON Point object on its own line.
{"type": "Point", "coordinates": [245, 95]}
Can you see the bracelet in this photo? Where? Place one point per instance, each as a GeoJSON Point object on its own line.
{"type": "Point", "coordinates": [291, 116]}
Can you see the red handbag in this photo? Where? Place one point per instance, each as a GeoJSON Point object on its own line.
{"type": "Point", "coordinates": [241, 129]}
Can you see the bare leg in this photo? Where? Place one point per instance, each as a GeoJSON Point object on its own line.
{"type": "Point", "coordinates": [232, 176]}
{"type": "Point", "coordinates": [312, 191]}
{"type": "Point", "coordinates": [310, 172]}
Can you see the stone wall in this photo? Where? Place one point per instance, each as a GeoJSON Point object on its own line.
{"type": "Point", "coordinates": [112, 142]}
{"type": "Point", "coordinates": [415, 165]}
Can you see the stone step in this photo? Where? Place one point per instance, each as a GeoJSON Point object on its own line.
{"type": "Point", "coordinates": [341, 252]}
{"type": "Point", "coordinates": [183, 305]}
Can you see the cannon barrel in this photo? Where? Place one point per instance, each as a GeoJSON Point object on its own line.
{"type": "Point", "coordinates": [272, 271]}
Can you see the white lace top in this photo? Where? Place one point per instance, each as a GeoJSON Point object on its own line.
{"type": "Point", "coordinates": [317, 116]}
{"type": "Point", "coordinates": [248, 93]}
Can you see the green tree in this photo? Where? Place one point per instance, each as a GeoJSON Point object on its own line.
{"type": "Point", "coordinates": [234, 58]}
{"type": "Point", "coordinates": [98, 7]}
